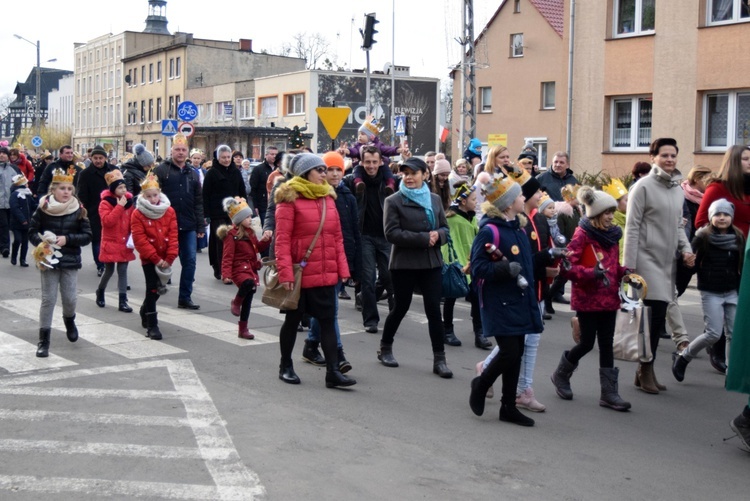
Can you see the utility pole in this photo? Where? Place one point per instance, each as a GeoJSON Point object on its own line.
{"type": "Point", "coordinates": [367, 40]}
{"type": "Point", "coordinates": [468, 82]}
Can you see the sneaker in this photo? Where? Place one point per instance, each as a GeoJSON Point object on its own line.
{"type": "Point", "coordinates": [371, 329]}
{"type": "Point", "coordinates": [527, 401]}
{"type": "Point", "coordinates": [741, 426]}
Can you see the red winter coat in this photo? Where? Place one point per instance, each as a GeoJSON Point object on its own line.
{"type": "Point", "coordinates": [240, 259]}
{"type": "Point", "coordinates": [155, 239]}
{"type": "Point", "coordinates": [297, 221]}
{"type": "Point", "coordinates": [715, 191]}
{"type": "Point", "coordinates": [115, 228]}
{"type": "Point", "coordinates": [25, 166]}
{"type": "Point", "coordinates": [588, 293]}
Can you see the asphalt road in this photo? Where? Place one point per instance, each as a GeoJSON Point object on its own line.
{"type": "Point", "coordinates": [203, 415]}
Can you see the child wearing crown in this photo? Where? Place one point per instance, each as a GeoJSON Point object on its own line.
{"type": "Point", "coordinates": [22, 206]}
{"type": "Point", "coordinates": [115, 210]}
{"type": "Point", "coordinates": [240, 258]}
{"type": "Point", "coordinates": [154, 227]}
{"type": "Point", "coordinates": [59, 228]}
{"type": "Point", "coordinates": [367, 135]}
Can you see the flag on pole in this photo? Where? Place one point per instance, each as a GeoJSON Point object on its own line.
{"type": "Point", "coordinates": [444, 134]}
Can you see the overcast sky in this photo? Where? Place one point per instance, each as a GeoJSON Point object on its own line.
{"type": "Point", "coordinates": [425, 31]}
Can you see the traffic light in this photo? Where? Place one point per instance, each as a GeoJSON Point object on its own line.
{"type": "Point", "coordinates": [369, 32]}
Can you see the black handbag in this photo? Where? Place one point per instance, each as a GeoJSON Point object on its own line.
{"type": "Point", "coordinates": [455, 284]}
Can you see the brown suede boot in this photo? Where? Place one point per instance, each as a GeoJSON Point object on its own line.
{"type": "Point", "coordinates": [644, 378]}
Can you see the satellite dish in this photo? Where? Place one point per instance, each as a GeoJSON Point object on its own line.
{"type": "Point", "coordinates": [387, 68]}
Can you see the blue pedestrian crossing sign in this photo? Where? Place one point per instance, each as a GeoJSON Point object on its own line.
{"type": "Point", "coordinates": [168, 127]}
{"type": "Point", "coordinates": [36, 141]}
{"type": "Point", "coordinates": [400, 125]}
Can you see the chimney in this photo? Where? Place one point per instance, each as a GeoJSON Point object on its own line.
{"type": "Point", "coordinates": [246, 45]}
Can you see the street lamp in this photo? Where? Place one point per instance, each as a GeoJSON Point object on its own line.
{"type": "Point", "coordinates": [37, 111]}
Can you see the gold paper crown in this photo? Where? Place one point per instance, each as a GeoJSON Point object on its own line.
{"type": "Point", "coordinates": [234, 205]}
{"type": "Point", "coordinates": [112, 176]}
{"type": "Point", "coordinates": [150, 182]}
{"type": "Point", "coordinates": [615, 188]}
{"type": "Point", "coordinates": [569, 192]}
{"type": "Point", "coordinates": [180, 138]}
{"type": "Point", "coordinates": [19, 180]}
{"type": "Point", "coordinates": [376, 129]}
{"type": "Point", "coordinates": [520, 175]}
{"type": "Point", "coordinates": [543, 199]}
{"type": "Point", "coordinates": [497, 188]}
{"type": "Point", "coordinates": [60, 176]}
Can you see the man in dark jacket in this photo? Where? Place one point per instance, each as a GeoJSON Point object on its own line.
{"type": "Point", "coordinates": [134, 170]}
{"type": "Point", "coordinates": [180, 183]}
{"type": "Point", "coordinates": [64, 161]}
{"type": "Point", "coordinates": [90, 185]}
{"type": "Point", "coordinates": [7, 171]}
{"type": "Point", "coordinates": [258, 179]}
{"type": "Point", "coordinates": [558, 176]}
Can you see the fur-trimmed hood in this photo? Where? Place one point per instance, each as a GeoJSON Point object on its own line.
{"type": "Point", "coordinates": [493, 212]}
{"type": "Point", "coordinates": [285, 193]}
{"type": "Point", "coordinates": [223, 230]}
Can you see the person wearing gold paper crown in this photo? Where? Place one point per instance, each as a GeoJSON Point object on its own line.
{"type": "Point", "coordinates": [617, 190]}
{"type": "Point", "coordinates": [115, 210]}
{"type": "Point", "coordinates": [59, 228]}
{"type": "Point", "coordinates": [182, 186]}
{"type": "Point", "coordinates": [22, 206]}
{"type": "Point", "coordinates": [240, 261]}
{"type": "Point", "coordinates": [7, 172]}
{"type": "Point", "coordinates": [155, 236]}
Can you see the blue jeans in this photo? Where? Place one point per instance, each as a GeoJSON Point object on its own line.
{"type": "Point", "coordinates": [376, 251]}
{"type": "Point", "coordinates": [95, 248]}
{"type": "Point", "coordinates": [314, 333]}
{"type": "Point", "coordinates": [188, 246]}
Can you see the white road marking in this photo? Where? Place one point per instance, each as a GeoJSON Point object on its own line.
{"type": "Point", "coordinates": [119, 419]}
{"type": "Point", "coordinates": [17, 355]}
{"type": "Point", "coordinates": [234, 481]}
{"type": "Point", "coordinates": [113, 338]}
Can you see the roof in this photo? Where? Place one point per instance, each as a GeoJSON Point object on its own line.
{"type": "Point", "coordinates": [553, 11]}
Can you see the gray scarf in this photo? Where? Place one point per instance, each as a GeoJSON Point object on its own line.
{"type": "Point", "coordinates": [724, 241]}
{"type": "Point", "coordinates": [150, 210]}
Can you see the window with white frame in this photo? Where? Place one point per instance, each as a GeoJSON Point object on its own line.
{"type": "Point", "coordinates": [540, 143]}
{"type": "Point", "coordinates": [224, 110]}
{"type": "Point", "coordinates": [171, 67]}
{"type": "Point", "coordinates": [631, 123]}
{"type": "Point", "coordinates": [158, 109]}
{"type": "Point", "coordinates": [295, 104]}
{"type": "Point", "coordinates": [269, 106]}
{"type": "Point", "coordinates": [485, 99]}
{"type": "Point", "coordinates": [158, 71]}
{"type": "Point", "coordinates": [726, 119]}
{"type": "Point", "coordinates": [201, 113]}
{"type": "Point", "coordinates": [727, 11]}
{"type": "Point", "coordinates": [633, 17]}
{"type": "Point", "coordinates": [151, 73]}
{"type": "Point", "coordinates": [246, 109]}
{"type": "Point", "coordinates": [548, 95]}
{"type": "Point", "coordinates": [118, 77]}
{"type": "Point", "coordinates": [143, 74]}
{"type": "Point", "coordinates": [516, 45]}
{"type": "Point", "coordinates": [178, 67]}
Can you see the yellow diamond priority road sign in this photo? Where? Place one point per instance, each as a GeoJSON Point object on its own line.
{"type": "Point", "coordinates": [333, 119]}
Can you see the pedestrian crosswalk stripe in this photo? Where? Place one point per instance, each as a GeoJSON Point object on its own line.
{"type": "Point", "coordinates": [119, 340]}
{"type": "Point", "coordinates": [17, 355]}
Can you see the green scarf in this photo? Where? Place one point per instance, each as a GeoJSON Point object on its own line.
{"type": "Point", "coordinates": [309, 190]}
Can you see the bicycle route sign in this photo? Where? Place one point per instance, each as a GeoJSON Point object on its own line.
{"type": "Point", "coordinates": [187, 111]}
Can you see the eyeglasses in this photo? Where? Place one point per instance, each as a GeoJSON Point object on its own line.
{"type": "Point", "coordinates": [320, 170]}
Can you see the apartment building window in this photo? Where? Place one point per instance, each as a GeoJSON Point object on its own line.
{"type": "Point", "coordinates": [96, 114]}
{"type": "Point", "coordinates": [171, 67]}
{"type": "Point", "coordinates": [104, 115]}
{"type": "Point", "coordinates": [119, 51]}
{"type": "Point", "coordinates": [176, 102]}
{"type": "Point", "coordinates": [548, 95]}
{"type": "Point", "coordinates": [269, 106]}
{"type": "Point", "coordinates": [517, 6]}
{"type": "Point", "coordinates": [116, 121]}
{"type": "Point", "coordinates": [634, 17]}
{"type": "Point", "coordinates": [158, 71]}
{"type": "Point", "coordinates": [727, 11]}
{"type": "Point", "coordinates": [143, 74]}
{"type": "Point", "coordinates": [516, 45]}
{"type": "Point", "coordinates": [726, 119]}
{"type": "Point", "coordinates": [111, 79]}
{"type": "Point", "coordinates": [91, 87]}
{"type": "Point", "coordinates": [171, 111]}
{"type": "Point", "coordinates": [143, 111]}
{"type": "Point", "coordinates": [150, 110]}
{"type": "Point", "coordinates": [485, 99]}
{"type": "Point", "coordinates": [158, 109]}
{"type": "Point", "coordinates": [246, 109]}
{"type": "Point", "coordinates": [130, 78]}
{"type": "Point", "coordinates": [98, 55]}
{"type": "Point", "coordinates": [224, 110]}
{"type": "Point", "coordinates": [178, 67]}
{"type": "Point", "coordinates": [134, 82]}
{"type": "Point", "coordinates": [112, 114]}
{"type": "Point", "coordinates": [106, 52]}
{"type": "Point", "coordinates": [540, 143]}
{"type": "Point", "coordinates": [118, 78]}
{"type": "Point", "coordinates": [151, 73]}
{"type": "Point", "coordinates": [295, 104]}
{"type": "Point", "coordinates": [631, 123]}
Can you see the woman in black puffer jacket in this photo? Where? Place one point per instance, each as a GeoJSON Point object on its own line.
{"type": "Point", "coordinates": [59, 228]}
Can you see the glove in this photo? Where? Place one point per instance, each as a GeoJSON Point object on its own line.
{"type": "Point", "coordinates": [515, 269]}
{"type": "Point", "coordinates": [557, 252]}
{"type": "Point", "coordinates": [599, 274]}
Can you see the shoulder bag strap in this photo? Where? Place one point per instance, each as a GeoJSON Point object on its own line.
{"type": "Point", "coordinates": [317, 233]}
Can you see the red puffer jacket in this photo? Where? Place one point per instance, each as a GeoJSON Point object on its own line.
{"type": "Point", "coordinates": [25, 166]}
{"type": "Point", "coordinates": [155, 239]}
{"type": "Point", "coordinates": [115, 228]}
{"type": "Point", "coordinates": [297, 221]}
{"type": "Point", "coordinates": [588, 293]}
{"type": "Point", "coordinates": [240, 259]}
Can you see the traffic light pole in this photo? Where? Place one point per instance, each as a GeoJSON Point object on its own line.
{"type": "Point", "coordinates": [367, 82]}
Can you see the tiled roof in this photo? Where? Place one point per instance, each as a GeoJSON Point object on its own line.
{"type": "Point", "coordinates": [553, 11]}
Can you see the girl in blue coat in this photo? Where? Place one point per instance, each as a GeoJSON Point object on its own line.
{"type": "Point", "coordinates": [508, 306]}
{"type": "Point", "coordinates": [22, 206]}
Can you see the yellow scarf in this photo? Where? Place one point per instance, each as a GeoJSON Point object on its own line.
{"type": "Point", "coordinates": [309, 190]}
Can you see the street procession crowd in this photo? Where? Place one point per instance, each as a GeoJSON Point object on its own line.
{"type": "Point", "coordinates": [354, 221]}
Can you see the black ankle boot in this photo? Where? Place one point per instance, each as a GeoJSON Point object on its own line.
{"type": "Point", "coordinates": [439, 365]}
{"type": "Point", "coordinates": [100, 298]}
{"type": "Point", "coordinates": [70, 328]}
{"type": "Point", "coordinates": [124, 304]}
{"type": "Point", "coordinates": [334, 378]}
{"type": "Point", "coordinates": [153, 331]}
{"type": "Point", "coordinates": [311, 354]}
{"type": "Point", "coordinates": [287, 374]}
{"type": "Point", "coordinates": [385, 355]}
{"type": "Point", "coordinates": [510, 414]}
{"type": "Point", "coordinates": [42, 350]}
{"type": "Point", "coordinates": [344, 365]}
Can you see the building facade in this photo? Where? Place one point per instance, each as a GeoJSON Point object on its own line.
{"type": "Point", "coordinates": [61, 105]}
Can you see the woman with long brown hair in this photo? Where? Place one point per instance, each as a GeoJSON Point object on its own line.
{"type": "Point", "coordinates": [498, 160]}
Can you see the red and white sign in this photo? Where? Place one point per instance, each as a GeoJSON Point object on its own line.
{"type": "Point", "coordinates": [187, 128]}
